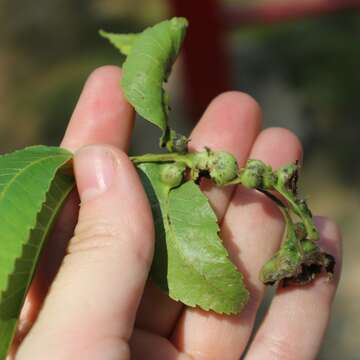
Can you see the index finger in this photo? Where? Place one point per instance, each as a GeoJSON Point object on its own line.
{"type": "Point", "coordinates": [102, 114]}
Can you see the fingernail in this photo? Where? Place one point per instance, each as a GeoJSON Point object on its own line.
{"type": "Point", "coordinates": [94, 170]}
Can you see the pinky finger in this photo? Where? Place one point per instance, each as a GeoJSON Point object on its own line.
{"type": "Point", "coordinates": [295, 324]}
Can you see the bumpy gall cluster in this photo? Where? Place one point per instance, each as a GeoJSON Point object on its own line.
{"type": "Point", "coordinates": [256, 174]}
{"type": "Point", "coordinates": [219, 166]}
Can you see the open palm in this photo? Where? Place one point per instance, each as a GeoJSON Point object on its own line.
{"type": "Point", "coordinates": [97, 307]}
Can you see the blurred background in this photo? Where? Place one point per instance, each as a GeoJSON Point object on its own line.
{"type": "Point", "coordinates": [298, 58]}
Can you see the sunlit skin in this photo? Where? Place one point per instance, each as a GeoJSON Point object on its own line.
{"type": "Point", "coordinates": [101, 306]}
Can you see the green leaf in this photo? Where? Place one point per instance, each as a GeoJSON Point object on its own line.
{"type": "Point", "coordinates": [148, 65]}
{"type": "Point", "coordinates": [34, 182]}
{"type": "Point", "coordinates": [123, 42]}
{"type": "Point", "coordinates": [190, 261]}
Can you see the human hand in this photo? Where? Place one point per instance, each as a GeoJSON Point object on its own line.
{"type": "Point", "coordinates": [97, 307]}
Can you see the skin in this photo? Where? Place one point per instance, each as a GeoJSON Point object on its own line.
{"type": "Point", "coordinates": [93, 292]}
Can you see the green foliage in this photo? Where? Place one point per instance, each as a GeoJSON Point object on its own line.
{"type": "Point", "coordinates": [33, 187]}
{"type": "Point", "coordinates": [123, 42]}
{"type": "Point", "coordinates": [190, 261]}
{"type": "Point", "coordinates": [148, 65]}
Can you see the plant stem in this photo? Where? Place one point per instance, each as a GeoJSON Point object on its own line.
{"type": "Point", "coordinates": [254, 175]}
{"type": "Point", "coordinates": [301, 209]}
{"type": "Point", "coordinates": [277, 201]}
{"type": "Point", "coordinates": [166, 157]}
{"type": "Point", "coordinates": [291, 238]}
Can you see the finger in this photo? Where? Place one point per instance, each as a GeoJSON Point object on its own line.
{"type": "Point", "coordinates": [231, 122]}
{"type": "Point", "coordinates": [251, 230]}
{"type": "Point", "coordinates": [149, 346]}
{"type": "Point", "coordinates": [91, 306]}
{"type": "Point", "coordinates": [295, 324]}
{"type": "Point", "coordinates": [102, 115]}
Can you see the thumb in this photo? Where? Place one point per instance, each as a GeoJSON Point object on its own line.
{"type": "Point", "coordinates": [90, 311]}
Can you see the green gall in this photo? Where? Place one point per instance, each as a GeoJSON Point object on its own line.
{"type": "Point", "coordinates": [172, 174]}
{"type": "Point", "coordinates": [200, 164]}
{"type": "Point", "coordinates": [177, 143]}
{"type": "Point", "coordinates": [277, 268]}
{"type": "Point", "coordinates": [298, 260]}
{"type": "Point", "coordinates": [220, 166]}
{"type": "Point", "coordinates": [287, 177]}
{"type": "Point", "coordinates": [256, 174]}
{"type": "Point", "coordinates": [297, 267]}
{"type": "Point", "coordinates": [201, 160]}
{"type": "Point", "coordinates": [223, 167]}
